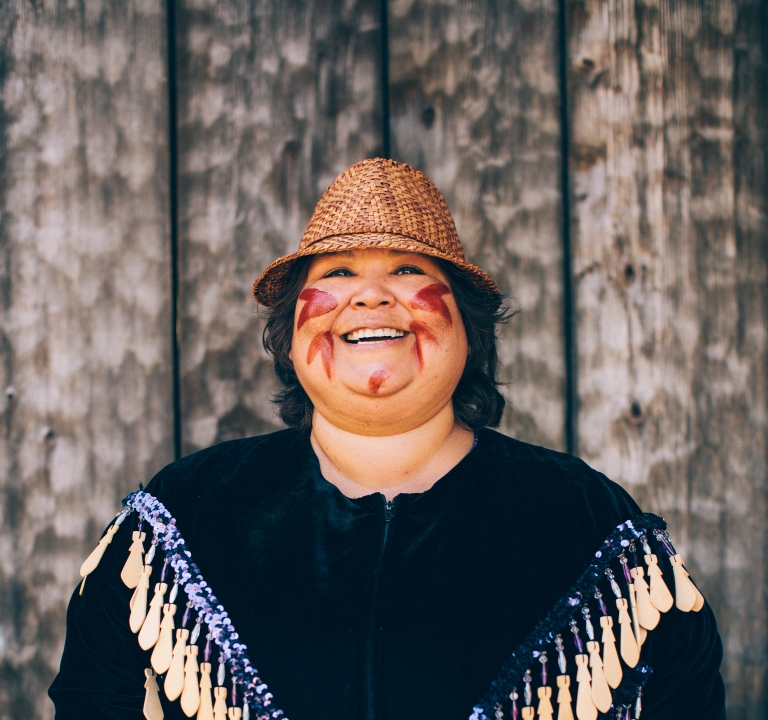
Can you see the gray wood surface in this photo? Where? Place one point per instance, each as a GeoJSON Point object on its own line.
{"type": "Point", "coordinates": [475, 105]}
{"type": "Point", "coordinates": [668, 235]}
{"type": "Point", "coordinates": [275, 99]}
{"type": "Point", "coordinates": [85, 315]}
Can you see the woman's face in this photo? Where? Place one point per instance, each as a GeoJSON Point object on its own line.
{"type": "Point", "coordinates": [378, 343]}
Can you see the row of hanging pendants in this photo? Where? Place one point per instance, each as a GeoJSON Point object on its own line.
{"type": "Point", "coordinates": [645, 603]}
{"type": "Point", "coordinates": [179, 659]}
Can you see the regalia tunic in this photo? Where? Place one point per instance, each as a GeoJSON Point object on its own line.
{"type": "Point", "coordinates": [359, 609]}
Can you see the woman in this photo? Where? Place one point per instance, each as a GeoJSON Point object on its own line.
{"type": "Point", "coordinates": [388, 557]}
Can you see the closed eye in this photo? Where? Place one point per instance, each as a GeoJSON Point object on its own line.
{"type": "Point", "coordinates": [339, 272]}
{"type": "Point", "coordinates": [408, 270]}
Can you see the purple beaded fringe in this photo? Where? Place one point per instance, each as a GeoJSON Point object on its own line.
{"type": "Point", "coordinates": [153, 512]}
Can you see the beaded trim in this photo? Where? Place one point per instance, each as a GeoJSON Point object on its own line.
{"type": "Point", "coordinates": [567, 609]}
{"type": "Point", "coordinates": [153, 512]}
{"type": "Point", "coordinates": [564, 612]}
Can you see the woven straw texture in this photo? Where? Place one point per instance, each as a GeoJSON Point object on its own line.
{"type": "Point", "coordinates": [376, 203]}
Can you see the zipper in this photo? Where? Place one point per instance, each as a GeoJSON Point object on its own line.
{"type": "Point", "coordinates": [370, 703]}
{"type": "Point", "coordinates": [389, 513]}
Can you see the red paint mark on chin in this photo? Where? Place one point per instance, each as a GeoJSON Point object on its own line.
{"type": "Point", "coordinates": [317, 303]}
{"type": "Point", "coordinates": [376, 381]}
{"type": "Point", "coordinates": [430, 299]}
{"type": "Point", "coordinates": [322, 343]}
{"type": "Point", "coordinates": [421, 334]}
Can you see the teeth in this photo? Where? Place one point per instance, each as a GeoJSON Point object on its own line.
{"type": "Point", "coordinates": [377, 333]}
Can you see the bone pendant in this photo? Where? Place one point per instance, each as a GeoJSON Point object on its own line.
{"type": "Point", "coordinates": [133, 597]}
{"type": "Point", "coordinates": [696, 605]}
{"type": "Point", "coordinates": [133, 565]}
{"type": "Point", "coordinates": [529, 713]}
{"type": "Point", "coordinates": [611, 663]}
{"type": "Point", "coordinates": [139, 601]}
{"type": "Point", "coordinates": [601, 693]}
{"type": "Point", "coordinates": [585, 706]}
{"type": "Point", "coordinates": [220, 707]}
{"type": "Point", "coordinates": [236, 713]}
{"type": "Point", "coordinates": [660, 596]}
{"type": "Point", "coordinates": [93, 560]}
{"type": "Point", "coordinates": [190, 695]}
{"type": "Point", "coordinates": [205, 711]}
{"type": "Point", "coordinates": [153, 710]}
{"type": "Point", "coordinates": [629, 650]}
{"type": "Point", "coordinates": [647, 614]}
{"type": "Point", "coordinates": [174, 680]}
{"type": "Point", "coordinates": [685, 593]}
{"type": "Point", "coordinates": [163, 652]}
{"type": "Point", "coordinates": [639, 630]}
{"type": "Point", "coordinates": [150, 630]}
{"type": "Point", "coordinates": [545, 710]}
{"type": "Point", "coordinates": [699, 600]}
{"type": "Point", "coordinates": [564, 710]}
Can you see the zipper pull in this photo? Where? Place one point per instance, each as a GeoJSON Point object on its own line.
{"type": "Point", "coordinates": [389, 510]}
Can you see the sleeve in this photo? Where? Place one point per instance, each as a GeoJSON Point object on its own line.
{"type": "Point", "coordinates": [685, 652]}
{"type": "Point", "coordinates": [101, 676]}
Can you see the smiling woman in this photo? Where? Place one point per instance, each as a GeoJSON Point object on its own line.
{"type": "Point", "coordinates": [387, 557]}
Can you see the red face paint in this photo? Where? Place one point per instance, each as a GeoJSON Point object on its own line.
{"type": "Point", "coordinates": [322, 343]}
{"type": "Point", "coordinates": [429, 299]}
{"type": "Point", "coordinates": [422, 334]}
{"type": "Point", "coordinates": [376, 381]}
{"type": "Point", "coordinates": [317, 303]}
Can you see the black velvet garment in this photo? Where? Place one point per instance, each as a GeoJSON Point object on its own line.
{"type": "Point", "coordinates": [354, 610]}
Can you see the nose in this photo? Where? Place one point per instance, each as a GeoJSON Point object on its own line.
{"type": "Point", "coordinates": [371, 295]}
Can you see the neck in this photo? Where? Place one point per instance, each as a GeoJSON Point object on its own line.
{"type": "Point", "coordinates": [411, 461]}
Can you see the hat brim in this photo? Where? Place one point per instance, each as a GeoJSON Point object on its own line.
{"type": "Point", "coordinates": [269, 286]}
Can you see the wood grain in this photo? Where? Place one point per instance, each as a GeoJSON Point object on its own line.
{"type": "Point", "coordinates": [475, 105]}
{"type": "Point", "coordinates": [85, 315]}
{"type": "Point", "coordinates": [275, 99]}
{"type": "Point", "coordinates": [671, 287]}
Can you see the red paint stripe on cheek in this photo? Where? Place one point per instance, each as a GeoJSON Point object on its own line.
{"type": "Point", "coordinates": [430, 299]}
{"type": "Point", "coordinates": [376, 381]}
{"type": "Point", "coordinates": [421, 333]}
{"type": "Point", "coordinates": [322, 343]}
{"type": "Point", "coordinates": [317, 303]}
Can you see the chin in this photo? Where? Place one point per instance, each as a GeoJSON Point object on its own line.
{"type": "Point", "coordinates": [379, 380]}
{"type": "Point", "coordinates": [373, 387]}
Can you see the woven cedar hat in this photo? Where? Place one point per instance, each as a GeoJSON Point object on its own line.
{"type": "Point", "coordinates": [377, 203]}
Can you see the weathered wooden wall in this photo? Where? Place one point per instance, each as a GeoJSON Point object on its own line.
{"type": "Point", "coordinates": [667, 111]}
{"type": "Point", "coordinates": [474, 102]}
{"type": "Point", "coordinates": [84, 305]}
{"type": "Point", "coordinates": [669, 245]}
{"type": "Point", "coordinates": [275, 99]}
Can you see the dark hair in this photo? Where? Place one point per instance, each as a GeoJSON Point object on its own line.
{"type": "Point", "coordinates": [477, 401]}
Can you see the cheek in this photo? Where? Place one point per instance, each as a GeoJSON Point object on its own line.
{"type": "Point", "coordinates": [316, 303]}
{"type": "Point", "coordinates": [322, 343]}
{"type": "Point", "coordinates": [430, 299]}
{"type": "Point", "coordinates": [376, 381]}
{"type": "Point", "coordinates": [421, 334]}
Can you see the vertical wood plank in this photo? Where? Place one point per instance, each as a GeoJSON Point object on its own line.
{"type": "Point", "coordinates": [275, 99]}
{"type": "Point", "coordinates": [747, 529]}
{"type": "Point", "coordinates": [670, 276]}
{"type": "Point", "coordinates": [475, 105]}
{"type": "Point", "coordinates": [85, 305]}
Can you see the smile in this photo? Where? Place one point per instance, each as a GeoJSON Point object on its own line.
{"type": "Point", "coordinates": [368, 335]}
